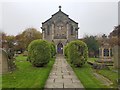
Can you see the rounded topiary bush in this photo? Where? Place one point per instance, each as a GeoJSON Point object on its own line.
{"type": "Point", "coordinates": [77, 52]}
{"type": "Point", "coordinates": [66, 50]}
{"type": "Point", "coordinates": [52, 48]}
{"type": "Point", "coordinates": [39, 53]}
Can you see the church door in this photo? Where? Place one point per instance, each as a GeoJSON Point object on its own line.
{"type": "Point", "coordinates": [60, 48]}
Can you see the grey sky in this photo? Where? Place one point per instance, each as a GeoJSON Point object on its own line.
{"type": "Point", "coordinates": [93, 17]}
{"type": "Point", "coordinates": [119, 13]}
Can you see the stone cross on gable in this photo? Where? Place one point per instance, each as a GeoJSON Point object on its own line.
{"type": "Point", "coordinates": [60, 8]}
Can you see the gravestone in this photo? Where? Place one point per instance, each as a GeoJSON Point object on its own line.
{"type": "Point", "coordinates": [116, 56]}
{"type": "Point", "coordinates": [6, 62]}
{"type": "Point", "coordinates": [105, 52]}
{"type": "Point", "coordinates": [105, 55]}
{"type": "Point", "coordinates": [3, 62]}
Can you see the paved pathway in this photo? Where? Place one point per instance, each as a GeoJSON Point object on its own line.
{"type": "Point", "coordinates": [62, 75]}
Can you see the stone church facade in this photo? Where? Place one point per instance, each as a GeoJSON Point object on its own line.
{"type": "Point", "coordinates": [60, 29]}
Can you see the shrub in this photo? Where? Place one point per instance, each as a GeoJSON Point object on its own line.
{"type": "Point", "coordinates": [53, 49]}
{"type": "Point", "coordinates": [77, 52]}
{"type": "Point", "coordinates": [66, 51]}
{"type": "Point", "coordinates": [39, 53]}
{"type": "Point", "coordinates": [25, 53]}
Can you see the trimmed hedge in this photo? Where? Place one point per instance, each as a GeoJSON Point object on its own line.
{"type": "Point", "coordinates": [53, 49]}
{"type": "Point", "coordinates": [66, 51]}
{"type": "Point", "coordinates": [77, 52]}
{"type": "Point", "coordinates": [39, 52]}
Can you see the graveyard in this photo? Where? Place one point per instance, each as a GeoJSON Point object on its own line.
{"type": "Point", "coordinates": [56, 58]}
{"type": "Point", "coordinates": [27, 76]}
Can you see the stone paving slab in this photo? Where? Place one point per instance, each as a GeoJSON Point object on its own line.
{"type": "Point", "coordinates": [55, 77]}
{"type": "Point", "coordinates": [62, 75]}
{"type": "Point", "coordinates": [68, 85]}
{"type": "Point", "coordinates": [51, 80]}
{"type": "Point", "coordinates": [75, 80]}
{"type": "Point", "coordinates": [67, 76]}
{"type": "Point", "coordinates": [54, 85]}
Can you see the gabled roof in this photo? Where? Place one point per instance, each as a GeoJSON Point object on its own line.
{"type": "Point", "coordinates": [62, 13]}
{"type": "Point", "coordinates": [54, 15]}
{"type": "Point", "coordinates": [73, 21]}
{"type": "Point", "coordinates": [47, 20]}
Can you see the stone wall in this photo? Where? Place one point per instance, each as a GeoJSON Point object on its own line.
{"type": "Point", "coordinates": [60, 28]}
{"type": "Point", "coordinates": [116, 56]}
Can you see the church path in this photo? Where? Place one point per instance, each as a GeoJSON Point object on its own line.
{"type": "Point", "coordinates": [62, 75]}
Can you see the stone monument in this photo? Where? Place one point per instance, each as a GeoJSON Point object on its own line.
{"type": "Point", "coordinates": [116, 56]}
{"type": "Point", "coordinates": [6, 62]}
{"type": "Point", "coordinates": [3, 62]}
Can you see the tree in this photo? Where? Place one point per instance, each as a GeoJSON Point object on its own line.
{"type": "Point", "coordinates": [93, 45]}
{"type": "Point", "coordinates": [30, 34]}
{"type": "Point", "coordinates": [114, 37]}
{"type": "Point", "coordinates": [8, 44]}
{"type": "Point", "coordinates": [7, 41]}
{"type": "Point", "coordinates": [26, 37]}
{"type": "Point", "coordinates": [3, 40]}
{"type": "Point", "coordinates": [20, 44]}
{"type": "Point", "coordinates": [10, 41]}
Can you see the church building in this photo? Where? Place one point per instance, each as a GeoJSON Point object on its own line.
{"type": "Point", "coordinates": [60, 29]}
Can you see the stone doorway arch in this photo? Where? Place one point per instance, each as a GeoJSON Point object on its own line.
{"type": "Point", "coordinates": [60, 48]}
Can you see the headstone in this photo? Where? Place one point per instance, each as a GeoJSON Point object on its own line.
{"type": "Point", "coordinates": [6, 62]}
{"type": "Point", "coordinates": [116, 56]}
{"type": "Point", "coordinates": [105, 55]}
{"type": "Point", "coordinates": [3, 62]}
{"type": "Point", "coordinates": [105, 51]}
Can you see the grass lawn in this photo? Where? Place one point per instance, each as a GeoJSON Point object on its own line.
{"type": "Point", "coordinates": [0, 81]}
{"type": "Point", "coordinates": [92, 59]}
{"type": "Point", "coordinates": [110, 74]}
{"type": "Point", "coordinates": [113, 76]}
{"type": "Point", "coordinates": [26, 76]}
{"type": "Point", "coordinates": [85, 74]}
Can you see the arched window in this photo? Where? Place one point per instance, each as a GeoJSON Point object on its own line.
{"type": "Point", "coordinates": [71, 30]}
{"type": "Point", "coordinates": [48, 30]}
{"type": "Point", "coordinates": [106, 52]}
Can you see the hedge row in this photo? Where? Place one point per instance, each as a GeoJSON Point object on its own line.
{"type": "Point", "coordinates": [53, 50]}
{"type": "Point", "coordinates": [77, 52]}
{"type": "Point", "coordinates": [40, 52]}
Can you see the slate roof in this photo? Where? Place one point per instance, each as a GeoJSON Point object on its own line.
{"type": "Point", "coordinates": [62, 13]}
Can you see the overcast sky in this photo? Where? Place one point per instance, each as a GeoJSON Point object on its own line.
{"type": "Point", "coordinates": [93, 17]}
